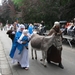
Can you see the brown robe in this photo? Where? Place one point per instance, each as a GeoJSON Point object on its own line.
{"type": "Point", "coordinates": [53, 54]}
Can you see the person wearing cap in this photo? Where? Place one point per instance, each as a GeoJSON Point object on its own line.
{"type": "Point", "coordinates": [58, 49]}
{"type": "Point", "coordinates": [15, 41]}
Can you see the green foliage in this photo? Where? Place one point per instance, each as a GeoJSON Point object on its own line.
{"type": "Point", "coordinates": [17, 1]}
{"type": "Point", "coordinates": [46, 10]}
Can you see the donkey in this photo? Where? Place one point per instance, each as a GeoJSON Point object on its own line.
{"type": "Point", "coordinates": [41, 43]}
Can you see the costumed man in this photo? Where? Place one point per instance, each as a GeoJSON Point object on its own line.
{"type": "Point", "coordinates": [21, 53]}
{"type": "Point", "coordinates": [15, 43]}
{"type": "Point", "coordinates": [55, 51]}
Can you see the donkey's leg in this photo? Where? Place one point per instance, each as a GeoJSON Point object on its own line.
{"type": "Point", "coordinates": [32, 53]}
{"type": "Point", "coordinates": [43, 57]}
{"type": "Point", "coordinates": [35, 54]}
{"type": "Point", "coordinates": [45, 54]}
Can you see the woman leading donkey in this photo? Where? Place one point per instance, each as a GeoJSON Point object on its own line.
{"type": "Point", "coordinates": [56, 49]}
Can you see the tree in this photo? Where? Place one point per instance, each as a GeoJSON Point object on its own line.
{"type": "Point", "coordinates": [47, 10]}
{"type": "Point", "coordinates": [8, 11]}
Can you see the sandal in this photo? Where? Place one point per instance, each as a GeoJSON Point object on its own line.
{"type": "Point", "coordinates": [26, 68]}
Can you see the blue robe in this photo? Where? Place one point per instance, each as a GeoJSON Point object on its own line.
{"type": "Point", "coordinates": [21, 46]}
{"type": "Point", "coordinates": [30, 29]}
{"type": "Point", "coordinates": [15, 43]}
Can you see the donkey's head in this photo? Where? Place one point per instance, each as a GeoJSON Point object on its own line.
{"type": "Point", "coordinates": [58, 42]}
{"type": "Point", "coordinates": [48, 41]}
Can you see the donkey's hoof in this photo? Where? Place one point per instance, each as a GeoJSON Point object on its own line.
{"type": "Point", "coordinates": [41, 59]}
{"type": "Point", "coordinates": [32, 58]}
{"type": "Point", "coordinates": [44, 65]}
{"type": "Point", "coordinates": [36, 58]}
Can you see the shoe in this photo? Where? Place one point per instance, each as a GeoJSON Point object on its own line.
{"type": "Point", "coordinates": [23, 67]}
{"type": "Point", "coordinates": [26, 68]}
{"type": "Point", "coordinates": [61, 66]}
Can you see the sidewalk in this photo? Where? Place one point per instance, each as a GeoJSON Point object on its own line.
{"type": "Point", "coordinates": [4, 65]}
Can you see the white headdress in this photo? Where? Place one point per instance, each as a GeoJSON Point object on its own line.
{"type": "Point", "coordinates": [25, 31]}
{"type": "Point", "coordinates": [56, 24]}
{"type": "Point", "coordinates": [21, 26]}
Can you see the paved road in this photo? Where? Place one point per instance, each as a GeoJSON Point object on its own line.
{"type": "Point", "coordinates": [36, 68]}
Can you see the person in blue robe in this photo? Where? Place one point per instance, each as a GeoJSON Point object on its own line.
{"type": "Point", "coordinates": [15, 43]}
{"type": "Point", "coordinates": [30, 29]}
{"type": "Point", "coordinates": [21, 53]}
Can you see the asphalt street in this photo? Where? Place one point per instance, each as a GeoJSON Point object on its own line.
{"type": "Point", "coordinates": [36, 68]}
